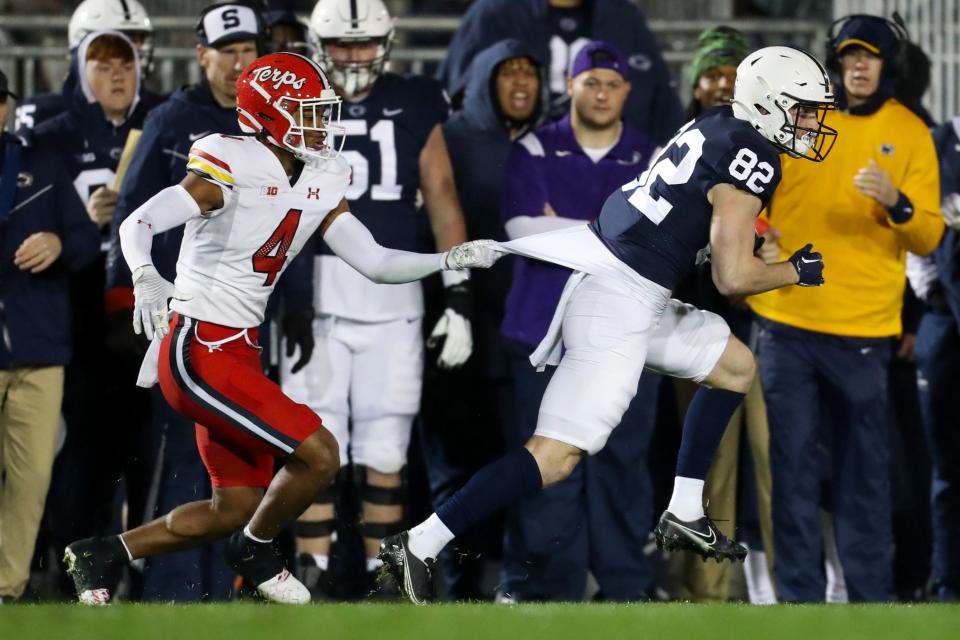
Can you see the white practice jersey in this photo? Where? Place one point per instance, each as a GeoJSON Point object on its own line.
{"type": "Point", "coordinates": [231, 258]}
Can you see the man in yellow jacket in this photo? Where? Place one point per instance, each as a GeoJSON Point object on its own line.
{"type": "Point", "coordinates": [824, 355]}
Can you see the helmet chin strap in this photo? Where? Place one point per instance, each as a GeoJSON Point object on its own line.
{"type": "Point", "coordinates": [352, 81]}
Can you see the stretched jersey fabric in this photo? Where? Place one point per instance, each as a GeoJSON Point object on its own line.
{"type": "Point", "coordinates": [385, 133]}
{"type": "Point", "coordinates": [659, 222]}
{"type": "Point", "coordinates": [864, 250]}
{"type": "Point", "coordinates": [231, 258]}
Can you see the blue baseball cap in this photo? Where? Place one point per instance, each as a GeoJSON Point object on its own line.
{"type": "Point", "coordinates": [599, 55]}
{"type": "Point", "coordinates": [873, 33]}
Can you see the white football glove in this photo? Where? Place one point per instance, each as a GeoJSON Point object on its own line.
{"type": "Point", "coordinates": [476, 254]}
{"type": "Point", "coordinates": [951, 210]}
{"type": "Point", "coordinates": [150, 293]}
{"type": "Point", "coordinates": [459, 343]}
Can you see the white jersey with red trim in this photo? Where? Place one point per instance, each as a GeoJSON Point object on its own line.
{"type": "Point", "coordinates": [231, 258]}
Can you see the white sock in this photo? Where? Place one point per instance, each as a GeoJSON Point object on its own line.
{"type": "Point", "coordinates": [323, 561]}
{"type": "Point", "coordinates": [687, 500]}
{"type": "Point", "coordinates": [246, 532]}
{"type": "Point", "coordinates": [429, 537]}
{"type": "Point", "coordinates": [126, 548]}
{"type": "Point", "coordinates": [373, 564]}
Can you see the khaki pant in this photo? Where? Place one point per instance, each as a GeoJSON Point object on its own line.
{"type": "Point", "coordinates": [30, 401]}
{"type": "Point", "coordinates": [711, 581]}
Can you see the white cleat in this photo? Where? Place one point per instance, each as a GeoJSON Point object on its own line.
{"type": "Point", "coordinates": [95, 597]}
{"type": "Point", "coordinates": [285, 589]}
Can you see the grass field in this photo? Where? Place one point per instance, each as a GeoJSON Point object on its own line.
{"type": "Point", "coordinates": [455, 622]}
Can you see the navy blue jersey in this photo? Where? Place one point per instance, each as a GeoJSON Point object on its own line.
{"type": "Point", "coordinates": [41, 107]}
{"type": "Point", "coordinates": [659, 222]}
{"type": "Point", "coordinates": [386, 131]}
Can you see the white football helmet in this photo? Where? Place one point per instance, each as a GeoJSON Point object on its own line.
{"type": "Point", "coordinates": [127, 16]}
{"type": "Point", "coordinates": [348, 22]}
{"type": "Point", "coordinates": [773, 80]}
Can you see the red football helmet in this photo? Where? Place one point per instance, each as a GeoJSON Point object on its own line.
{"type": "Point", "coordinates": [280, 96]}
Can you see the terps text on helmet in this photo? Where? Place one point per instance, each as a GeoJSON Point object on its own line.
{"type": "Point", "coordinates": [279, 77]}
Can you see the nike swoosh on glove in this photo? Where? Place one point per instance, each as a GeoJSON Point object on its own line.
{"type": "Point", "coordinates": [151, 293]}
{"type": "Point", "coordinates": [458, 344]}
{"type": "Point", "coordinates": [809, 266]}
{"type": "Point", "coordinates": [476, 254]}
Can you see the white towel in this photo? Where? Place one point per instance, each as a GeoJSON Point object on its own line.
{"type": "Point", "coordinates": [149, 374]}
{"type": "Point", "coordinates": [578, 248]}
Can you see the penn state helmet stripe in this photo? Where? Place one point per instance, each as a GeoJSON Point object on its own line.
{"type": "Point", "coordinates": [126, 9]}
{"type": "Point", "coordinates": [354, 19]}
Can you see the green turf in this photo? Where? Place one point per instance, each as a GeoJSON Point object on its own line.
{"type": "Point", "coordinates": [454, 622]}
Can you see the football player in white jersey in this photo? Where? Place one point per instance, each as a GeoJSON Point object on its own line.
{"type": "Point", "coordinates": [249, 204]}
{"type": "Point", "coordinates": [366, 370]}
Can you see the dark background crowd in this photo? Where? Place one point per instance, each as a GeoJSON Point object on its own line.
{"type": "Point", "coordinates": [839, 473]}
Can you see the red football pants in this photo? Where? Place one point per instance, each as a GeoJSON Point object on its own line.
{"type": "Point", "coordinates": [212, 374]}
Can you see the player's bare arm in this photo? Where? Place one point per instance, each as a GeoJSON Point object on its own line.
{"type": "Point", "coordinates": [736, 270]}
{"type": "Point", "coordinates": [440, 192]}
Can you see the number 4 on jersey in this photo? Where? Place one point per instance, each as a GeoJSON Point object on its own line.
{"type": "Point", "coordinates": [272, 255]}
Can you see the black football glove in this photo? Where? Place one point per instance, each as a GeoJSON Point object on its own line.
{"type": "Point", "coordinates": [809, 266]}
{"type": "Point", "coordinates": [297, 325]}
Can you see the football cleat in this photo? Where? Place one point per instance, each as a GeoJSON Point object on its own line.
{"type": "Point", "coordinates": [700, 536]}
{"type": "Point", "coordinates": [411, 574]}
{"type": "Point", "coordinates": [260, 564]}
{"type": "Point", "coordinates": [96, 566]}
{"type": "Point", "coordinates": [315, 579]}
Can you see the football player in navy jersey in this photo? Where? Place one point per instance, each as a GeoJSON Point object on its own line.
{"type": "Point", "coordinates": [616, 315]}
{"type": "Point", "coordinates": [367, 367]}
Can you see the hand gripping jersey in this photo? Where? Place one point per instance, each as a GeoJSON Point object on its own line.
{"type": "Point", "coordinates": [658, 223]}
{"type": "Point", "coordinates": [231, 258]}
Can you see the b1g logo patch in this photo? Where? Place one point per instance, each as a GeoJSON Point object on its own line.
{"type": "Point", "coordinates": [269, 191]}
{"type": "Point", "coordinates": [887, 149]}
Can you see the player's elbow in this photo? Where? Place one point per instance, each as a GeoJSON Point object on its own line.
{"type": "Point", "coordinates": [726, 283]}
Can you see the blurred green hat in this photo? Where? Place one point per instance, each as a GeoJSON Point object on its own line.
{"type": "Point", "coordinates": [717, 47]}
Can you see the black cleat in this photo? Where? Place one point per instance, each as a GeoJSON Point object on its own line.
{"type": "Point", "coordinates": [96, 566]}
{"type": "Point", "coordinates": [315, 579]}
{"type": "Point", "coordinates": [261, 567]}
{"type": "Point", "coordinates": [382, 586]}
{"type": "Point", "coordinates": [411, 574]}
{"type": "Point", "coordinates": [700, 536]}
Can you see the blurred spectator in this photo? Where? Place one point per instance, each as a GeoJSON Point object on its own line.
{"type": "Point", "coordinates": [557, 30]}
{"type": "Point", "coordinates": [937, 282]}
{"type": "Point", "coordinates": [130, 18]}
{"type": "Point", "coordinates": [230, 35]}
{"type": "Point", "coordinates": [44, 234]}
{"type": "Point", "coordinates": [598, 519]}
{"type": "Point", "coordinates": [463, 413]}
{"type": "Point", "coordinates": [714, 71]}
{"type": "Point", "coordinates": [287, 32]}
{"type": "Point", "coordinates": [365, 378]}
{"type": "Point", "coordinates": [825, 355]}
{"type": "Point", "coordinates": [105, 415]}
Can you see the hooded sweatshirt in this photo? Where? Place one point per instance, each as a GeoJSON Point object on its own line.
{"type": "Point", "coordinates": [653, 106]}
{"type": "Point", "coordinates": [89, 146]}
{"type": "Point", "coordinates": [478, 141]}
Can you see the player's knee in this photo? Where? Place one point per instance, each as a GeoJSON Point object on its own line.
{"type": "Point", "coordinates": [382, 458]}
{"type": "Point", "coordinates": [736, 369]}
{"type": "Point", "coordinates": [321, 454]}
{"type": "Point", "coordinates": [555, 459]}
